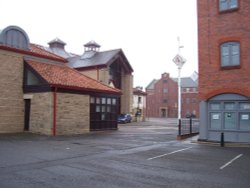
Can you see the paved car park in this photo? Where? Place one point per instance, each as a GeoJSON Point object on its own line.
{"type": "Point", "coordinates": [141, 154]}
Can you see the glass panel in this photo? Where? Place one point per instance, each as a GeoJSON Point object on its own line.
{"type": "Point", "coordinates": [225, 50]}
{"type": "Point", "coordinates": [108, 100]}
{"type": "Point", "coordinates": [214, 106]}
{"type": "Point", "coordinates": [98, 108]}
{"type": "Point", "coordinates": [223, 4]}
{"type": "Point", "coordinates": [32, 79]}
{"type": "Point", "coordinates": [113, 109]}
{"type": "Point", "coordinates": [229, 120]}
{"type": "Point", "coordinates": [236, 60]}
{"type": "Point", "coordinates": [103, 117]}
{"type": "Point", "coordinates": [229, 105]}
{"type": "Point", "coordinates": [245, 106]}
{"type": "Point", "coordinates": [103, 100]}
{"type": "Point", "coordinates": [103, 108]}
{"type": "Point", "coordinates": [114, 101]}
{"type": "Point", "coordinates": [225, 61]}
{"type": "Point", "coordinates": [92, 100]}
{"type": "Point", "coordinates": [98, 100]}
{"type": "Point", "coordinates": [108, 108]}
{"type": "Point", "coordinates": [235, 49]}
{"type": "Point", "coordinates": [234, 4]}
{"type": "Point", "coordinates": [235, 54]}
{"type": "Point", "coordinates": [245, 121]}
{"type": "Point", "coordinates": [215, 121]}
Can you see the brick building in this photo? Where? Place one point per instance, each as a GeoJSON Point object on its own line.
{"type": "Point", "coordinates": [41, 94]}
{"type": "Point", "coordinates": [224, 69]}
{"type": "Point", "coordinates": [108, 67]}
{"type": "Point", "coordinates": [162, 97]}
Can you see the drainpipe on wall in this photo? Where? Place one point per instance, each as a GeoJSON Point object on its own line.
{"type": "Point", "coordinates": [54, 111]}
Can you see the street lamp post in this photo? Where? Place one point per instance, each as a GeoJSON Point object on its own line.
{"type": "Point", "coordinates": [179, 61]}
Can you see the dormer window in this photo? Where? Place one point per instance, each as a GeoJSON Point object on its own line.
{"type": "Point", "coordinates": [225, 5]}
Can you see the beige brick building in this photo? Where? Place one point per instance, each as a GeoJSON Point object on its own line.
{"type": "Point", "coordinates": [108, 67]}
{"type": "Point", "coordinates": [41, 94]}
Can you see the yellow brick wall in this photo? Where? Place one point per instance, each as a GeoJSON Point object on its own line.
{"type": "Point", "coordinates": [11, 95]}
{"type": "Point", "coordinates": [41, 113]}
{"type": "Point", "coordinates": [127, 93]}
{"type": "Point", "coordinates": [72, 114]}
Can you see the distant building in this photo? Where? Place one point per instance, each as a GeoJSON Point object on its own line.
{"type": "Point", "coordinates": [139, 104]}
{"type": "Point", "coordinates": [162, 96]}
{"type": "Point", "coordinates": [224, 69]}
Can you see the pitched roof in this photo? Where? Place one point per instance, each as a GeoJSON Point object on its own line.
{"type": "Point", "coordinates": [151, 85]}
{"type": "Point", "coordinates": [35, 50]}
{"type": "Point", "coordinates": [38, 49]}
{"type": "Point", "coordinates": [98, 59]}
{"type": "Point", "coordinates": [187, 82]}
{"type": "Point", "coordinates": [138, 92]}
{"type": "Point", "coordinates": [62, 76]}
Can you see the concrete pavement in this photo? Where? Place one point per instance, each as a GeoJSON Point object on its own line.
{"type": "Point", "coordinates": [137, 155]}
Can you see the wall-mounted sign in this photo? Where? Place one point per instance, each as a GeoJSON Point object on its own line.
{"type": "Point", "coordinates": [244, 116]}
{"type": "Point", "coordinates": [216, 116]}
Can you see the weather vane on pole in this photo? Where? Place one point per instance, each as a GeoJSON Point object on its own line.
{"type": "Point", "coordinates": [179, 61]}
{"type": "Point", "coordinates": [179, 45]}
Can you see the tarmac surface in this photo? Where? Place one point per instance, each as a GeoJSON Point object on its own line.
{"type": "Point", "coordinates": [140, 154]}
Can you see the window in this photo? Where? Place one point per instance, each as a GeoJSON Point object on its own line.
{"type": "Point", "coordinates": [215, 120]}
{"type": "Point", "coordinates": [139, 100]}
{"type": "Point", "coordinates": [215, 106]}
{"type": "Point", "coordinates": [165, 81]}
{"type": "Point", "coordinates": [245, 121]}
{"type": "Point", "coordinates": [165, 90]}
{"type": "Point", "coordinates": [225, 5]}
{"type": "Point", "coordinates": [230, 54]}
{"type": "Point", "coordinates": [103, 112]}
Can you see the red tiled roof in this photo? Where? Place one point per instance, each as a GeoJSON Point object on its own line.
{"type": "Point", "coordinates": [35, 50]}
{"type": "Point", "coordinates": [38, 49]}
{"type": "Point", "coordinates": [62, 76]}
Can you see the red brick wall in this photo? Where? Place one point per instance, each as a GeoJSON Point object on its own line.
{"type": "Point", "coordinates": [213, 29]}
{"type": "Point", "coordinates": [156, 97]}
{"type": "Point", "coordinates": [190, 103]}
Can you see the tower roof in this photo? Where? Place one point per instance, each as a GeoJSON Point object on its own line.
{"type": "Point", "coordinates": [57, 40]}
{"type": "Point", "coordinates": [92, 44]}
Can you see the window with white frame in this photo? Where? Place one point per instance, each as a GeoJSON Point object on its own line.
{"type": "Point", "coordinates": [225, 5]}
{"type": "Point", "coordinates": [230, 54]}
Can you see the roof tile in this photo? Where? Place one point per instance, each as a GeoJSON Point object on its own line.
{"type": "Point", "coordinates": [64, 77]}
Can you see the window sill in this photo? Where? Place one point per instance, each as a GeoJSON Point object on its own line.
{"type": "Point", "coordinates": [230, 67]}
{"type": "Point", "coordinates": [228, 10]}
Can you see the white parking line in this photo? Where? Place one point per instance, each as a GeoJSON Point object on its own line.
{"type": "Point", "coordinates": [168, 153]}
{"type": "Point", "coordinates": [228, 163]}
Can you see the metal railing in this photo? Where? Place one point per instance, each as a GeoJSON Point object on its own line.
{"type": "Point", "coordinates": [188, 126]}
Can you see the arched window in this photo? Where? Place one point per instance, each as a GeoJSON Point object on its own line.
{"type": "Point", "coordinates": [230, 54]}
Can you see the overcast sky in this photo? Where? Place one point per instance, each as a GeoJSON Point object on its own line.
{"type": "Point", "coordinates": [146, 30]}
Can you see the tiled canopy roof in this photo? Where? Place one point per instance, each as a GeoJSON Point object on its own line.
{"type": "Point", "coordinates": [62, 76]}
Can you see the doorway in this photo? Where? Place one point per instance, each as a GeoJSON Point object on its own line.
{"type": "Point", "coordinates": [27, 114]}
